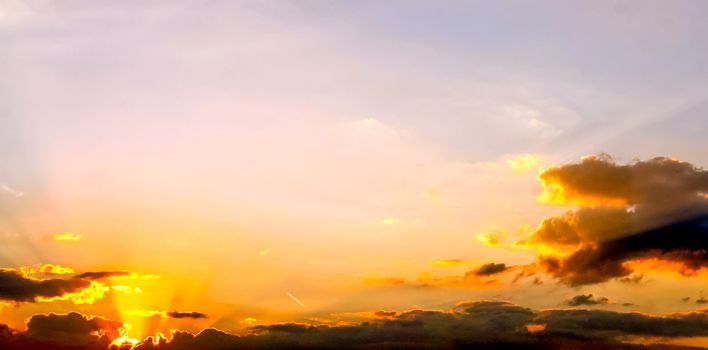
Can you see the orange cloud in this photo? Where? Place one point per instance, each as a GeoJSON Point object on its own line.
{"type": "Point", "coordinates": [643, 210]}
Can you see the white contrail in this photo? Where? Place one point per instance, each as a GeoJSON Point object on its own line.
{"type": "Point", "coordinates": [296, 300]}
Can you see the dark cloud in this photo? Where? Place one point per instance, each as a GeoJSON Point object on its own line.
{"type": "Point", "coordinates": [490, 269]}
{"type": "Point", "coordinates": [684, 242]}
{"type": "Point", "coordinates": [594, 224]}
{"type": "Point", "coordinates": [193, 315]}
{"type": "Point", "coordinates": [70, 331]}
{"type": "Point", "coordinates": [659, 181]}
{"type": "Point", "coordinates": [98, 275]}
{"type": "Point", "coordinates": [655, 209]}
{"type": "Point", "coordinates": [702, 300]}
{"type": "Point", "coordinates": [17, 288]}
{"type": "Point", "coordinates": [587, 299]}
{"type": "Point", "coordinates": [481, 324]}
{"type": "Point", "coordinates": [606, 323]}
{"type": "Point", "coordinates": [635, 279]}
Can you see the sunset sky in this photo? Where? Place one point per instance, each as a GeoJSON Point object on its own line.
{"type": "Point", "coordinates": [247, 165]}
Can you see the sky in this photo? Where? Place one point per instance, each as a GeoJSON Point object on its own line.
{"type": "Point", "coordinates": [295, 173]}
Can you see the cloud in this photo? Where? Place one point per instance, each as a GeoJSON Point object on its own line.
{"type": "Point", "coordinates": [45, 269]}
{"type": "Point", "coordinates": [483, 324]}
{"type": "Point", "coordinates": [489, 239]}
{"type": "Point", "coordinates": [16, 287]}
{"type": "Point", "coordinates": [11, 191]}
{"type": "Point", "coordinates": [164, 314]}
{"type": "Point", "coordinates": [192, 315]}
{"type": "Point", "coordinates": [55, 327]}
{"type": "Point", "coordinates": [98, 275]}
{"type": "Point", "coordinates": [523, 162]}
{"type": "Point", "coordinates": [599, 180]}
{"type": "Point", "coordinates": [583, 225]}
{"type": "Point", "coordinates": [490, 269]}
{"type": "Point", "coordinates": [587, 299]}
{"type": "Point", "coordinates": [66, 236]}
{"type": "Point", "coordinates": [483, 276]}
{"type": "Point", "coordinates": [643, 210]}
{"type": "Point", "coordinates": [70, 331]}
{"type": "Point", "coordinates": [602, 323]}
{"type": "Point", "coordinates": [685, 242]}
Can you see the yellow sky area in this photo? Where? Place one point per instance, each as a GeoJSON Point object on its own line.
{"type": "Point", "coordinates": [66, 236]}
{"type": "Point", "coordinates": [452, 262]}
{"type": "Point", "coordinates": [524, 162]}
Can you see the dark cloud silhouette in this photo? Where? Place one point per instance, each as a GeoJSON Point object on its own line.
{"type": "Point", "coordinates": [70, 331]}
{"type": "Point", "coordinates": [481, 324]}
{"type": "Point", "coordinates": [193, 315]}
{"type": "Point", "coordinates": [490, 269]}
{"type": "Point", "coordinates": [587, 299]}
{"type": "Point", "coordinates": [17, 288]}
{"type": "Point", "coordinates": [684, 242]}
{"type": "Point", "coordinates": [98, 275]}
{"type": "Point", "coordinates": [606, 323]}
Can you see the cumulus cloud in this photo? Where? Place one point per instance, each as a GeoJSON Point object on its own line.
{"type": "Point", "coordinates": [70, 331]}
{"type": "Point", "coordinates": [599, 180]}
{"type": "Point", "coordinates": [685, 243]}
{"type": "Point", "coordinates": [653, 209]}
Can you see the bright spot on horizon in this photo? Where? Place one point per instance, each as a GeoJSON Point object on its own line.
{"type": "Point", "coordinates": [265, 251]}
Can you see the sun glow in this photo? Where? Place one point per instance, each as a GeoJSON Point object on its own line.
{"type": "Point", "coordinates": [66, 236]}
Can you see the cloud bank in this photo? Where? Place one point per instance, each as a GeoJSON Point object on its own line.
{"type": "Point", "coordinates": [655, 209]}
{"type": "Point", "coordinates": [485, 324]}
